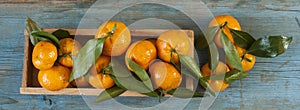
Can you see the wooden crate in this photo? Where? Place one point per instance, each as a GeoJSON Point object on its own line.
{"type": "Point", "coordinates": [30, 84]}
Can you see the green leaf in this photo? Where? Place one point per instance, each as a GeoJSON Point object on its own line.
{"type": "Point", "coordinates": [231, 53]}
{"type": "Point", "coordinates": [86, 57]}
{"type": "Point", "coordinates": [124, 79]}
{"type": "Point", "coordinates": [182, 92]}
{"type": "Point", "coordinates": [130, 83]}
{"type": "Point", "coordinates": [206, 38]}
{"type": "Point", "coordinates": [270, 46]}
{"type": "Point", "coordinates": [60, 34]}
{"type": "Point", "coordinates": [213, 56]}
{"type": "Point", "coordinates": [47, 36]}
{"type": "Point", "coordinates": [109, 94]}
{"type": "Point", "coordinates": [229, 77]}
{"type": "Point", "coordinates": [234, 75]}
{"type": "Point", "coordinates": [141, 73]}
{"type": "Point", "coordinates": [42, 39]}
{"type": "Point", "coordinates": [242, 39]}
{"type": "Point", "coordinates": [31, 26]}
{"type": "Point", "coordinates": [191, 65]}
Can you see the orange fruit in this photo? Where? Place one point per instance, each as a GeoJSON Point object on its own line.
{"type": "Point", "coordinates": [217, 85]}
{"type": "Point", "coordinates": [55, 78]}
{"type": "Point", "coordinates": [44, 55]}
{"type": "Point", "coordinates": [100, 80]}
{"type": "Point", "coordinates": [116, 44]}
{"type": "Point", "coordinates": [247, 60]}
{"type": "Point", "coordinates": [220, 69]}
{"type": "Point", "coordinates": [68, 48]}
{"type": "Point", "coordinates": [80, 82]}
{"type": "Point", "coordinates": [165, 76]}
{"type": "Point", "coordinates": [231, 23]}
{"type": "Point", "coordinates": [175, 42]}
{"type": "Point", "coordinates": [142, 52]}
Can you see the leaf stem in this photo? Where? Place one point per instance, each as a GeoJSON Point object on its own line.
{"type": "Point", "coordinates": [224, 24]}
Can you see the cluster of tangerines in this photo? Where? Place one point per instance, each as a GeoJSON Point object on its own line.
{"type": "Point", "coordinates": [247, 60]}
{"type": "Point", "coordinates": [55, 63]}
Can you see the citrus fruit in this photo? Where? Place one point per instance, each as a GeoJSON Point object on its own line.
{"type": "Point", "coordinates": [218, 85]}
{"type": "Point", "coordinates": [98, 79]}
{"type": "Point", "coordinates": [165, 76]}
{"type": "Point", "coordinates": [80, 82]}
{"type": "Point", "coordinates": [68, 48]}
{"type": "Point", "coordinates": [220, 69]}
{"type": "Point", "coordinates": [172, 42]}
{"type": "Point", "coordinates": [231, 23]}
{"type": "Point", "coordinates": [44, 55]}
{"type": "Point", "coordinates": [116, 44]}
{"type": "Point", "coordinates": [55, 78]}
{"type": "Point", "coordinates": [142, 52]}
{"type": "Point", "coordinates": [247, 60]}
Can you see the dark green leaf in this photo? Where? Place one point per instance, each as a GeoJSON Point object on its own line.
{"type": "Point", "coordinates": [242, 39]}
{"type": "Point", "coordinates": [7, 100]}
{"type": "Point", "coordinates": [213, 56]}
{"type": "Point", "coordinates": [31, 26]}
{"type": "Point", "coordinates": [48, 36]}
{"type": "Point", "coordinates": [140, 72]}
{"type": "Point", "coordinates": [60, 34]}
{"type": "Point", "coordinates": [185, 93]}
{"type": "Point", "coordinates": [231, 53]}
{"type": "Point", "coordinates": [86, 57]}
{"type": "Point", "coordinates": [191, 65]}
{"type": "Point", "coordinates": [206, 37]}
{"type": "Point", "coordinates": [109, 94]}
{"type": "Point", "coordinates": [270, 46]}
{"type": "Point", "coordinates": [42, 39]}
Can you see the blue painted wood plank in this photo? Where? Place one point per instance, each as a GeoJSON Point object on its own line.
{"type": "Point", "coordinates": [272, 84]}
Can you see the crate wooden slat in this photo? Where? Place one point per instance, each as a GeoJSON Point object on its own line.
{"type": "Point", "coordinates": [30, 84]}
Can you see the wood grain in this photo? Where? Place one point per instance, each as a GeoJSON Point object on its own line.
{"type": "Point", "coordinates": [272, 84]}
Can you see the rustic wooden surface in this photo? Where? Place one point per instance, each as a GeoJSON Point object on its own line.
{"type": "Point", "coordinates": [272, 84]}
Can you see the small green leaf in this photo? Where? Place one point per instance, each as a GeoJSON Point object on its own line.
{"type": "Point", "coordinates": [124, 79]}
{"type": "Point", "coordinates": [42, 39]}
{"type": "Point", "coordinates": [231, 53]}
{"type": "Point", "coordinates": [130, 83]}
{"type": "Point", "coordinates": [181, 92]}
{"type": "Point", "coordinates": [191, 65]}
{"type": "Point", "coordinates": [206, 38]}
{"type": "Point", "coordinates": [234, 75]}
{"type": "Point", "coordinates": [47, 36]}
{"type": "Point", "coordinates": [270, 46]}
{"type": "Point", "coordinates": [109, 94]}
{"type": "Point", "coordinates": [141, 73]}
{"type": "Point", "coordinates": [213, 56]}
{"type": "Point", "coordinates": [242, 39]}
{"type": "Point", "coordinates": [60, 34]}
{"type": "Point", "coordinates": [229, 77]}
{"type": "Point", "coordinates": [86, 57]}
{"type": "Point", "coordinates": [31, 26]}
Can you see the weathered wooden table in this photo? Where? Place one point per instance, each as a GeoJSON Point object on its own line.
{"type": "Point", "coordinates": [272, 84]}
